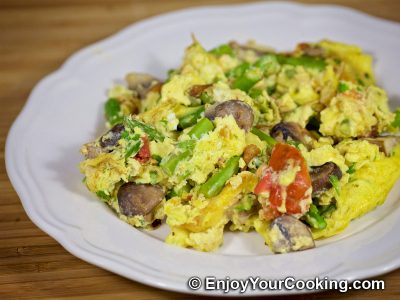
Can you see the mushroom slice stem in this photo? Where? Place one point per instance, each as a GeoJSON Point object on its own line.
{"type": "Point", "coordinates": [386, 144]}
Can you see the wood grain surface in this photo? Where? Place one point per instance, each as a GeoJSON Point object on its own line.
{"type": "Point", "coordinates": [36, 36]}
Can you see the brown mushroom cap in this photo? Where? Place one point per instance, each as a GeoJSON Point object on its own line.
{"type": "Point", "coordinates": [139, 199]}
{"type": "Point", "coordinates": [91, 151]}
{"type": "Point", "coordinates": [241, 111]}
{"type": "Point", "coordinates": [285, 130]}
{"type": "Point", "coordinates": [141, 83]}
{"type": "Point", "coordinates": [320, 177]}
{"type": "Point", "coordinates": [112, 136]}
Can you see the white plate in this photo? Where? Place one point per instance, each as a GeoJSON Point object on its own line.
{"type": "Point", "coordinates": [65, 111]}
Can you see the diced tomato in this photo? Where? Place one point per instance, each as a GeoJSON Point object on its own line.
{"type": "Point", "coordinates": [144, 153]}
{"type": "Point", "coordinates": [283, 157]}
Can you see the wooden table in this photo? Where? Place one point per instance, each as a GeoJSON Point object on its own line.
{"type": "Point", "coordinates": [35, 38]}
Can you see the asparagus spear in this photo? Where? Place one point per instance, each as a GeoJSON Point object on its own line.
{"type": "Point", "coordinates": [169, 165]}
{"type": "Point", "coordinates": [314, 218]}
{"type": "Point", "coordinates": [263, 136]}
{"type": "Point", "coordinates": [216, 182]}
{"type": "Point", "coordinates": [191, 118]}
{"type": "Point", "coordinates": [202, 127]}
{"type": "Point", "coordinates": [150, 131]}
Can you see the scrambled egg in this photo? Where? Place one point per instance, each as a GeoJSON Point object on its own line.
{"type": "Point", "coordinates": [107, 169]}
{"type": "Point", "coordinates": [225, 141]}
{"type": "Point", "coordinates": [199, 67]}
{"type": "Point", "coordinates": [356, 64]}
{"type": "Point", "coordinates": [355, 112]}
{"type": "Point", "coordinates": [200, 223]}
{"type": "Point", "coordinates": [367, 189]}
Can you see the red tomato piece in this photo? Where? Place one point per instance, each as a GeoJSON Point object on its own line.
{"type": "Point", "coordinates": [282, 158]}
{"type": "Point", "coordinates": [144, 153]}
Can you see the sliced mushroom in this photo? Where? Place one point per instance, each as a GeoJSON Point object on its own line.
{"type": "Point", "coordinates": [320, 177]}
{"type": "Point", "coordinates": [141, 83]}
{"type": "Point", "coordinates": [139, 199]}
{"type": "Point", "coordinates": [288, 234]}
{"type": "Point", "coordinates": [285, 130]}
{"type": "Point", "coordinates": [241, 111]}
{"type": "Point", "coordinates": [90, 150]}
{"type": "Point", "coordinates": [311, 50]}
{"type": "Point", "coordinates": [250, 152]}
{"type": "Point", "coordinates": [112, 137]}
{"type": "Point", "coordinates": [386, 144]}
{"type": "Point", "coordinates": [242, 51]}
{"type": "Point", "coordinates": [264, 127]}
{"type": "Point", "coordinates": [197, 89]}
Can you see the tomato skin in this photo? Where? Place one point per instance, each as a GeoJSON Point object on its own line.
{"type": "Point", "coordinates": [265, 183]}
{"type": "Point", "coordinates": [144, 153]}
{"type": "Point", "coordinates": [296, 191]}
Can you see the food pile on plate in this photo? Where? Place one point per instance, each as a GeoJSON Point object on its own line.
{"type": "Point", "coordinates": [292, 145]}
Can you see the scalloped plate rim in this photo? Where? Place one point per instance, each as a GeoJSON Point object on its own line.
{"type": "Point", "coordinates": [68, 65]}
